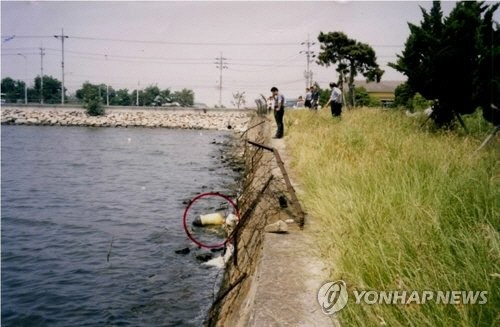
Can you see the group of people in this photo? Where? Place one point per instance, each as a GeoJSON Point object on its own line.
{"type": "Point", "coordinates": [312, 98]}
{"type": "Point", "coordinates": [276, 102]}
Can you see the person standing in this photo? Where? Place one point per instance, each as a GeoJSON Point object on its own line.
{"type": "Point", "coordinates": [270, 104]}
{"type": "Point", "coordinates": [335, 100]}
{"type": "Point", "coordinates": [314, 97]}
{"type": "Point", "coordinates": [279, 111]}
{"type": "Point", "coordinates": [307, 103]}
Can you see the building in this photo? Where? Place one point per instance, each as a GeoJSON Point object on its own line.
{"type": "Point", "coordinates": [384, 91]}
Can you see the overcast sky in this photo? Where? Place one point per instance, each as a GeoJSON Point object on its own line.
{"type": "Point", "coordinates": [261, 41]}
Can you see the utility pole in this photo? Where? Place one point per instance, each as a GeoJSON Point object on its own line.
{"type": "Point", "coordinates": [25, 80]}
{"type": "Point", "coordinates": [220, 64]}
{"type": "Point", "coordinates": [41, 74]}
{"type": "Point", "coordinates": [309, 59]}
{"type": "Point", "coordinates": [62, 37]}
{"type": "Point", "coordinates": [107, 84]}
{"type": "Point", "coordinates": [137, 95]}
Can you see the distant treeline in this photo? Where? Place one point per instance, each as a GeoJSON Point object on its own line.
{"type": "Point", "coordinates": [13, 91]}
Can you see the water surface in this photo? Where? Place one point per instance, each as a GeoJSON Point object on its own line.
{"type": "Point", "coordinates": [68, 192]}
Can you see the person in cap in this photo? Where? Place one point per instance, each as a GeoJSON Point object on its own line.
{"type": "Point", "coordinates": [279, 111]}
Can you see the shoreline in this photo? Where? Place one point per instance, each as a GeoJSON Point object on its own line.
{"type": "Point", "coordinates": [188, 118]}
{"type": "Point", "coordinates": [269, 273]}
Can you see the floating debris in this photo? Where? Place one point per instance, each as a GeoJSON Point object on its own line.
{"type": "Point", "coordinates": [183, 251]}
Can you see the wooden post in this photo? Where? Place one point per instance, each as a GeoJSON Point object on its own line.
{"type": "Point", "coordinates": [489, 137]}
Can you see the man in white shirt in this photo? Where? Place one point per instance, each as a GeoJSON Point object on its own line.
{"type": "Point", "coordinates": [279, 111]}
{"type": "Point", "coordinates": [335, 101]}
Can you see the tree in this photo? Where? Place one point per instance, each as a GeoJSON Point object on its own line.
{"type": "Point", "coordinates": [13, 90]}
{"type": "Point", "coordinates": [488, 75]}
{"type": "Point", "coordinates": [363, 98]}
{"type": "Point", "coordinates": [324, 94]}
{"type": "Point", "coordinates": [184, 98]}
{"type": "Point", "coordinates": [403, 95]}
{"type": "Point", "coordinates": [239, 99]}
{"type": "Point", "coordinates": [151, 96]}
{"type": "Point", "coordinates": [166, 96]}
{"type": "Point", "coordinates": [450, 60]}
{"type": "Point", "coordinates": [121, 98]}
{"type": "Point", "coordinates": [351, 57]}
{"type": "Point", "coordinates": [51, 89]}
{"type": "Point", "coordinates": [86, 90]}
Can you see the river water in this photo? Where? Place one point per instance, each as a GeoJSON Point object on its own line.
{"type": "Point", "coordinates": [91, 218]}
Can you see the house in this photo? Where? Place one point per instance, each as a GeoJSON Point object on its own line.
{"type": "Point", "coordinates": [384, 91]}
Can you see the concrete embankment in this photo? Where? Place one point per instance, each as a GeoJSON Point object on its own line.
{"type": "Point", "coordinates": [123, 117]}
{"type": "Point", "coordinates": [273, 278]}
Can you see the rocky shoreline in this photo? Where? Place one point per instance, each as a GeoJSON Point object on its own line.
{"type": "Point", "coordinates": [188, 119]}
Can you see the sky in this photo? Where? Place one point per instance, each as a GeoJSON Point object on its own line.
{"type": "Point", "coordinates": [175, 44]}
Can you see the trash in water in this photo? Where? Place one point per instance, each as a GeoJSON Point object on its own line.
{"type": "Point", "coordinates": [183, 251]}
{"type": "Point", "coordinates": [209, 219]}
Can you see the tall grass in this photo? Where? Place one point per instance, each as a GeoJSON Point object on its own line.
{"type": "Point", "coordinates": [400, 208]}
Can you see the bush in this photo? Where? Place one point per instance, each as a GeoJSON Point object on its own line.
{"type": "Point", "coordinates": [92, 101]}
{"type": "Point", "coordinates": [363, 98]}
{"type": "Point", "coordinates": [418, 102]}
{"type": "Point", "coordinates": [476, 125]}
{"type": "Point", "coordinates": [94, 107]}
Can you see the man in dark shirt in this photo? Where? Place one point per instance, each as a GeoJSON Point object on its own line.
{"type": "Point", "coordinates": [315, 97]}
{"type": "Point", "coordinates": [279, 111]}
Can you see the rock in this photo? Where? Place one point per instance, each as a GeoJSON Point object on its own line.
{"type": "Point", "coordinates": [183, 251]}
{"type": "Point", "coordinates": [204, 257]}
{"type": "Point", "coordinates": [278, 227]}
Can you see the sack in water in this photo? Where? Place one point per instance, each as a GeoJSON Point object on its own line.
{"type": "Point", "coordinates": [209, 219]}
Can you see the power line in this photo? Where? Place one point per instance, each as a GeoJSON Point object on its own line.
{"type": "Point", "coordinates": [24, 53]}
{"type": "Point", "coordinates": [18, 49]}
{"type": "Point", "coordinates": [11, 37]}
{"type": "Point", "coordinates": [185, 43]}
{"type": "Point", "coordinates": [100, 55]}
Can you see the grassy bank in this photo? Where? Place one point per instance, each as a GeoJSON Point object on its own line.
{"type": "Point", "coordinates": [401, 208]}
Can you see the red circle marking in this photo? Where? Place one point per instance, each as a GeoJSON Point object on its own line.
{"type": "Point", "coordinates": [184, 219]}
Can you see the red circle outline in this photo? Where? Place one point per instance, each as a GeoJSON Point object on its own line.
{"type": "Point", "coordinates": [184, 219]}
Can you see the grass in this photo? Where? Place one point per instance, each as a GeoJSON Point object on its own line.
{"type": "Point", "coordinates": [401, 208]}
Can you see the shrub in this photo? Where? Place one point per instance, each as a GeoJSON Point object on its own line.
{"type": "Point", "coordinates": [94, 107]}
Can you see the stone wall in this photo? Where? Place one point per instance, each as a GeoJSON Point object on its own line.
{"type": "Point", "coordinates": [188, 119]}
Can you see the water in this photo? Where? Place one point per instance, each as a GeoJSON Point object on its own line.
{"type": "Point", "coordinates": [67, 192]}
